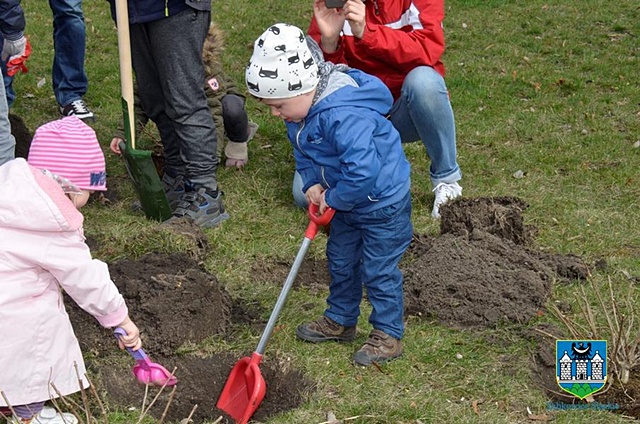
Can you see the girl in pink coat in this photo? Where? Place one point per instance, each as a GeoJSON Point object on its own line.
{"type": "Point", "coordinates": [42, 252]}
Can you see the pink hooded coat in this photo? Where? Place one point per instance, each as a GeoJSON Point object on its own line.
{"type": "Point", "coordinates": [42, 251]}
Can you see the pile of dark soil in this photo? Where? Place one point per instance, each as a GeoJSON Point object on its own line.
{"type": "Point", "coordinates": [480, 271]}
{"type": "Point", "coordinates": [476, 280]}
{"type": "Point", "coordinates": [170, 297]}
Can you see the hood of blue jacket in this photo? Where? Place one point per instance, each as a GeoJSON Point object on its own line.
{"type": "Point", "coordinates": [347, 144]}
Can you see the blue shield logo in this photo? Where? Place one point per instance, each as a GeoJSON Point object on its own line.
{"type": "Point", "coordinates": [581, 366]}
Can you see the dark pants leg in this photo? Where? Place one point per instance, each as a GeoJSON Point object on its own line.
{"type": "Point", "coordinates": [236, 121]}
{"type": "Point", "coordinates": [167, 59]}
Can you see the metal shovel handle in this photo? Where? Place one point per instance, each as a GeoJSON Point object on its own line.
{"type": "Point", "coordinates": [312, 230]}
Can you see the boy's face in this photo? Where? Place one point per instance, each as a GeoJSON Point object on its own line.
{"type": "Point", "coordinates": [292, 109]}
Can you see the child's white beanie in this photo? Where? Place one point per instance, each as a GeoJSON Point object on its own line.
{"type": "Point", "coordinates": [281, 65]}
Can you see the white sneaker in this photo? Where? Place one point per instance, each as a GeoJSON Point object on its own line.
{"type": "Point", "coordinates": [444, 192]}
{"type": "Point", "coordinates": [48, 415]}
{"type": "Point", "coordinates": [79, 109]}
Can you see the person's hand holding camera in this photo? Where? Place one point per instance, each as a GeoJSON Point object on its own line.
{"type": "Point", "coordinates": [330, 17]}
{"type": "Point", "coordinates": [330, 22]}
{"type": "Point", "coordinates": [354, 11]}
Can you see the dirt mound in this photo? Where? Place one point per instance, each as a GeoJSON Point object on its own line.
{"type": "Point", "coordinates": [171, 299]}
{"type": "Point", "coordinates": [500, 216]}
{"type": "Point", "coordinates": [476, 280]}
{"type": "Point", "coordinates": [478, 272]}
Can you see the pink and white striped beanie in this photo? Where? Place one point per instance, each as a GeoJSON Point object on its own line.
{"type": "Point", "coordinates": [68, 147]}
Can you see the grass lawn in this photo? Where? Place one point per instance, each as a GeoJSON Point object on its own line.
{"type": "Point", "coordinates": [549, 88]}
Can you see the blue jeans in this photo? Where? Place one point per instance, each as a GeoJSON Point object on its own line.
{"type": "Point", "coordinates": [365, 249]}
{"type": "Point", "coordinates": [423, 112]}
{"type": "Point", "coordinates": [7, 141]}
{"type": "Point", "coordinates": [8, 81]}
{"type": "Point", "coordinates": [68, 74]}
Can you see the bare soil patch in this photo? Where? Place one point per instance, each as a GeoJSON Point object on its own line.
{"type": "Point", "coordinates": [480, 271]}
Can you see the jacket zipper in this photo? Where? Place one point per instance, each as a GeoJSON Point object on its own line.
{"type": "Point", "coordinates": [302, 125]}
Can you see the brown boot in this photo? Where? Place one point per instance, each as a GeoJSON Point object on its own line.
{"type": "Point", "coordinates": [325, 329]}
{"type": "Point", "coordinates": [379, 347]}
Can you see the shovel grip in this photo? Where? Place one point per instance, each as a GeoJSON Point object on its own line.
{"type": "Point", "coordinates": [138, 355]}
{"type": "Point", "coordinates": [317, 220]}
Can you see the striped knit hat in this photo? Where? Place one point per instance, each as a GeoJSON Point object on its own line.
{"type": "Point", "coordinates": [68, 147]}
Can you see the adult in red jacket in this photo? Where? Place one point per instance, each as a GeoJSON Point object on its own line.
{"type": "Point", "coordinates": [401, 42]}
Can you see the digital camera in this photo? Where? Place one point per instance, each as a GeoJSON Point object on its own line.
{"type": "Point", "coordinates": [334, 4]}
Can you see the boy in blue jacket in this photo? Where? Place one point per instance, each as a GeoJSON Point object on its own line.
{"type": "Point", "coordinates": [350, 159]}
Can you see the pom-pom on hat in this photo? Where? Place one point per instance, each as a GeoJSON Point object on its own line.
{"type": "Point", "coordinates": [281, 66]}
{"type": "Point", "coordinates": [69, 148]}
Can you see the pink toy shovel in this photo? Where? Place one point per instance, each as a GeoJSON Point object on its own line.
{"type": "Point", "coordinates": [148, 372]}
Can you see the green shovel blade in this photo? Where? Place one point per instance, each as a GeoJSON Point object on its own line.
{"type": "Point", "coordinates": [145, 179]}
{"type": "Point", "coordinates": [143, 174]}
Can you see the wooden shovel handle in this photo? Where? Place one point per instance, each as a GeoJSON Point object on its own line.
{"type": "Point", "coordinates": [126, 69]}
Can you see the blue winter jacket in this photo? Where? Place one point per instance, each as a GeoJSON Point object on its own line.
{"type": "Point", "coordinates": [12, 22]}
{"type": "Point", "coordinates": [348, 145]}
{"type": "Point", "coordinates": [143, 11]}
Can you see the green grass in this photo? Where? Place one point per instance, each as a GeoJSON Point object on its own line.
{"type": "Point", "coordinates": [548, 88]}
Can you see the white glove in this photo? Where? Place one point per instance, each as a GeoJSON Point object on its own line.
{"type": "Point", "coordinates": [12, 48]}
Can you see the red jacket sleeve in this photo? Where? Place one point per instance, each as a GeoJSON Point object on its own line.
{"type": "Point", "coordinates": [402, 35]}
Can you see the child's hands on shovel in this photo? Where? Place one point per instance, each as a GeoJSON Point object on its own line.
{"type": "Point", "coordinates": [114, 145]}
{"type": "Point", "coordinates": [132, 338]}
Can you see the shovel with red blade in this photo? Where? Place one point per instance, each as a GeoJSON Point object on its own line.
{"type": "Point", "coordinates": [245, 388]}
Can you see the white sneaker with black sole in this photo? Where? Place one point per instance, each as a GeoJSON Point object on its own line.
{"type": "Point", "coordinates": [79, 109]}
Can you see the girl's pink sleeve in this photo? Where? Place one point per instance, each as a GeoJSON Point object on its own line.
{"type": "Point", "coordinates": [85, 279]}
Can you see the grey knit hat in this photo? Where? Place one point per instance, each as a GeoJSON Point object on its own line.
{"type": "Point", "coordinates": [281, 65]}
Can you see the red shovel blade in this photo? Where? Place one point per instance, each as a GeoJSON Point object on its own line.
{"type": "Point", "coordinates": [244, 390]}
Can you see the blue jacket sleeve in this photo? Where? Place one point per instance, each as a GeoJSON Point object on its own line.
{"type": "Point", "coordinates": [12, 22]}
